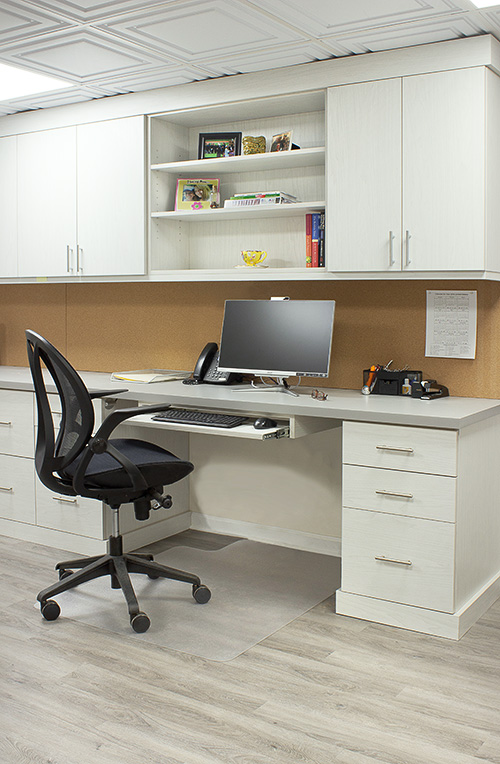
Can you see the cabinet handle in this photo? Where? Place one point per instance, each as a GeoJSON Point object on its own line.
{"type": "Point", "coordinates": [66, 501]}
{"type": "Point", "coordinates": [391, 249]}
{"type": "Point", "coordinates": [6, 424]}
{"type": "Point", "coordinates": [394, 493]}
{"type": "Point", "coordinates": [79, 259]}
{"type": "Point", "coordinates": [381, 558]}
{"type": "Point", "coordinates": [407, 247]}
{"type": "Point", "coordinates": [69, 255]}
{"type": "Point", "coordinates": [395, 448]}
{"type": "Point", "coordinates": [7, 490]}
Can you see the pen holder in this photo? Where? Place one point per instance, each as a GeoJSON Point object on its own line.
{"type": "Point", "coordinates": [391, 382]}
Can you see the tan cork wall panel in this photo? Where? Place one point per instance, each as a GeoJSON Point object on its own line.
{"type": "Point", "coordinates": [121, 326]}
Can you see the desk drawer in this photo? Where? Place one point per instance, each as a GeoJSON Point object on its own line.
{"type": "Point", "coordinates": [16, 423]}
{"type": "Point", "coordinates": [72, 514]}
{"type": "Point", "coordinates": [399, 493]}
{"type": "Point", "coordinates": [400, 559]}
{"type": "Point", "coordinates": [415, 449]}
{"type": "Point", "coordinates": [17, 488]}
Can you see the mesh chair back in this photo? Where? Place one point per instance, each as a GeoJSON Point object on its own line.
{"type": "Point", "coordinates": [53, 454]}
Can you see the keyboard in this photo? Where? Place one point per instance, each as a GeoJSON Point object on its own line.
{"type": "Point", "coordinates": [205, 418]}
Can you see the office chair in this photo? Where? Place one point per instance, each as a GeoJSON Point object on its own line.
{"type": "Point", "coordinates": [115, 471]}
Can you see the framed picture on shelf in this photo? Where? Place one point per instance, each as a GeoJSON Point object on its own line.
{"type": "Point", "coordinates": [217, 145]}
{"type": "Point", "coordinates": [282, 142]}
{"type": "Point", "coordinates": [197, 193]}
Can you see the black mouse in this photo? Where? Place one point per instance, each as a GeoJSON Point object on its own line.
{"type": "Point", "coordinates": [263, 423]}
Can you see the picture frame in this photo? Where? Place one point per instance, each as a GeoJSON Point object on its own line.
{"type": "Point", "coordinates": [197, 193]}
{"type": "Point", "coordinates": [282, 142]}
{"type": "Point", "coordinates": [218, 145]}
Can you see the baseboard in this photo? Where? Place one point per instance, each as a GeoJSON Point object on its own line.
{"type": "Point", "coordinates": [309, 542]}
{"type": "Point", "coordinates": [449, 625]}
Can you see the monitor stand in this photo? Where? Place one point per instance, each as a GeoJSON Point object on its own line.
{"type": "Point", "coordinates": [279, 386]}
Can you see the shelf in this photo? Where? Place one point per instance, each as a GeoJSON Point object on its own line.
{"type": "Point", "coordinates": [246, 163]}
{"type": "Point", "coordinates": [241, 274]}
{"type": "Point", "coordinates": [238, 213]}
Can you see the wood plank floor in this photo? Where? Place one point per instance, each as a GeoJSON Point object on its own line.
{"type": "Point", "coordinates": [324, 689]}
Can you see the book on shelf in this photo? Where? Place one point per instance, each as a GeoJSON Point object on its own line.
{"type": "Point", "coordinates": [315, 239]}
{"type": "Point", "coordinates": [265, 195]}
{"type": "Point", "coordinates": [308, 240]}
{"type": "Point", "coordinates": [321, 242]}
{"type": "Point", "coordinates": [256, 201]}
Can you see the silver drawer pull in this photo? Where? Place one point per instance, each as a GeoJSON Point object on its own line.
{"type": "Point", "coordinates": [394, 493]}
{"type": "Point", "coordinates": [395, 448]}
{"type": "Point", "coordinates": [66, 501]}
{"type": "Point", "coordinates": [6, 424]}
{"type": "Point", "coordinates": [381, 558]}
{"type": "Point", "coordinates": [7, 490]}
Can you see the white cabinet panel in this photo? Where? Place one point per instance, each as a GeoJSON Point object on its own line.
{"type": "Point", "coordinates": [16, 423]}
{"type": "Point", "coordinates": [401, 559]}
{"type": "Point", "coordinates": [444, 170]}
{"type": "Point", "coordinates": [417, 449]}
{"type": "Point", "coordinates": [73, 514]}
{"type": "Point", "coordinates": [47, 202]}
{"type": "Point", "coordinates": [8, 207]}
{"type": "Point", "coordinates": [17, 489]}
{"type": "Point", "coordinates": [111, 197]}
{"type": "Point", "coordinates": [364, 172]}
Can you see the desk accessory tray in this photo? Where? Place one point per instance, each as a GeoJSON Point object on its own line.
{"type": "Point", "coordinates": [147, 376]}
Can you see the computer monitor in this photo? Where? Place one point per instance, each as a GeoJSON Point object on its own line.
{"type": "Point", "coordinates": [277, 338]}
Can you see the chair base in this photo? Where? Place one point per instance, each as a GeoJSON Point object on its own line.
{"type": "Point", "coordinates": [118, 567]}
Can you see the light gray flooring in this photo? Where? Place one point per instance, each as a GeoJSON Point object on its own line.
{"type": "Point", "coordinates": [323, 689]}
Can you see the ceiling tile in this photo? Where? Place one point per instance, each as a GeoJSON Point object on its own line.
{"type": "Point", "coordinates": [18, 21]}
{"type": "Point", "coordinates": [80, 56]}
{"type": "Point", "coordinates": [90, 10]}
{"type": "Point", "coordinates": [289, 55]}
{"type": "Point", "coordinates": [324, 17]}
{"type": "Point", "coordinates": [155, 78]}
{"type": "Point", "coordinates": [190, 31]}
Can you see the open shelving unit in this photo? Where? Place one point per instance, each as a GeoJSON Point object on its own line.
{"type": "Point", "coordinates": [206, 244]}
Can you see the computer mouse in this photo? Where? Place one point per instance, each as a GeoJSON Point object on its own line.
{"type": "Point", "coordinates": [264, 423]}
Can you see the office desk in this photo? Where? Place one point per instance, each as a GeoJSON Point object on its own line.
{"type": "Point", "coordinates": [420, 485]}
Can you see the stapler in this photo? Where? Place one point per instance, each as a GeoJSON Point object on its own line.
{"type": "Point", "coordinates": [428, 390]}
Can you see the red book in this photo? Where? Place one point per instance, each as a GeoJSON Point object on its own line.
{"type": "Point", "coordinates": [308, 241]}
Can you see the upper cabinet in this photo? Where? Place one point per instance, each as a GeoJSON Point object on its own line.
{"type": "Point", "coordinates": [207, 243]}
{"type": "Point", "coordinates": [8, 207]}
{"type": "Point", "coordinates": [413, 174]}
{"type": "Point", "coordinates": [81, 200]}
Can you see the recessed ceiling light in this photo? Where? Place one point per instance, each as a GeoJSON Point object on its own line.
{"type": "Point", "coordinates": [16, 83]}
{"type": "Point", "coordinates": [484, 3]}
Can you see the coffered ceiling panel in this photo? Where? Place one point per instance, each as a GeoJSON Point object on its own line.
{"type": "Point", "coordinates": [109, 47]}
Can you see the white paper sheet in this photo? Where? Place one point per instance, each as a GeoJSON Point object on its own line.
{"type": "Point", "coordinates": [451, 324]}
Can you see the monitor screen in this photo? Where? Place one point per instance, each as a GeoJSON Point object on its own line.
{"type": "Point", "coordinates": [277, 338]}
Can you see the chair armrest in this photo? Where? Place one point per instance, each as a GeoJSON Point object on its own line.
{"type": "Point", "coordinates": [117, 417]}
{"type": "Point", "coordinates": [104, 393]}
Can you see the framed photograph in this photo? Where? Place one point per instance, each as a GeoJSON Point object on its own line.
{"type": "Point", "coordinates": [197, 193]}
{"type": "Point", "coordinates": [217, 145]}
{"type": "Point", "coordinates": [282, 142]}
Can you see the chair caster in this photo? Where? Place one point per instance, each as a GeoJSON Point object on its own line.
{"type": "Point", "coordinates": [50, 610]}
{"type": "Point", "coordinates": [63, 573]}
{"type": "Point", "coordinates": [153, 576]}
{"type": "Point", "coordinates": [201, 593]}
{"type": "Point", "coordinates": [140, 622]}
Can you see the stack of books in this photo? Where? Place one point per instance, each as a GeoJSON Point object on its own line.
{"type": "Point", "coordinates": [315, 240]}
{"type": "Point", "coordinates": [256, 198]}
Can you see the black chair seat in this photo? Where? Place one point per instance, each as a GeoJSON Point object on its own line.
{"type": "Point", "coordinates": [157, 465]}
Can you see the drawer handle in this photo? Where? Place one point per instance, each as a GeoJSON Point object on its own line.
{"type": "Point", "coordinates": [66, 501]}
{"type": "Point", "coordinates": [7, 490]}
{"type": "Point", "coordinates": [394, 493]}
{"type": "Point", "coordinates": [395, 448]}
{"type": "Point", "coordinates": [6, 424]}
{"type": "Point", "coordinates": [381, 558]}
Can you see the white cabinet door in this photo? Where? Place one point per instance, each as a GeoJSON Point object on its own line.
{"type": "Point", "coordinates": [364, 177]}
{"type": "Point", "coordinates": [111, 197]}
{"type": "Point", "coordinates": [47, 202]}
{"type": "Point", "coordinates": [8, 207]}
{"type": "Point", "coordinates": [444, 170]}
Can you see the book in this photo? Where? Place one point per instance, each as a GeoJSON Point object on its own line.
{"type": "Point", "coordinates": [264, 195]}
{"type": "Point", "coordinates": [321, 243]}
{"type": "Point", "coordinates": [255, 202]}
{"type": "Point", "coordinates": [308, 241]}
{"type": "Point", "coordinates": [314, 239]}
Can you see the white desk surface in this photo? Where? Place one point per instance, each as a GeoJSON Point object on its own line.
{"type": "Point", "coordinates": [450, 413]}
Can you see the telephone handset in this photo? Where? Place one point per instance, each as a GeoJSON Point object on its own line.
{"type": "Point", "coordinates": [206, 369]}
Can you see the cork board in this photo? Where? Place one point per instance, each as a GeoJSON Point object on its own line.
{"type": "Point", "coordinates": [110, 327]}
